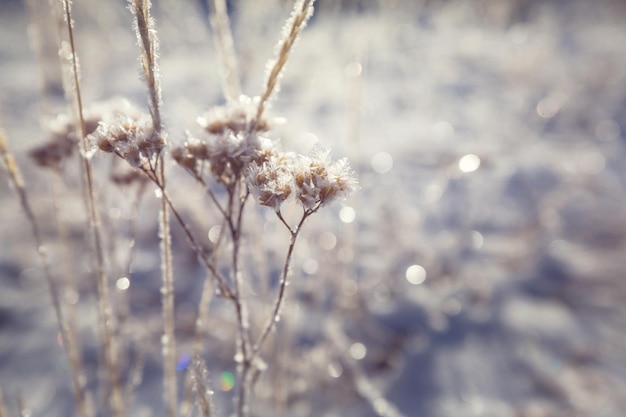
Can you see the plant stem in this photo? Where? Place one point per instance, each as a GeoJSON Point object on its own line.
{"type": "Point", "coordinates": [225, 46]}
{"type": "Point", "coordinates": [104, 302]}
{"type": "Point", "coordinates": [302, 11]}
{"type": "Point", "coordinates": [284, 280]}
{"type": "Point", "coordinates": [81, 397]}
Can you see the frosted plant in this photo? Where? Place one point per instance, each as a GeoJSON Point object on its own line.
{"type": "Point", "coordinates": [233, 154]}
{"type": "Point", "coordinates": [319, 181]}
{"type": "Point", "coordinates": [271, 182]}
{"type": "Point", "coordinates": [134, 140]}
{"type": "Point", "coordinates": [238, 116]}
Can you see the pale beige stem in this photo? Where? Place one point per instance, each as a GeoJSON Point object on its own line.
{"type": "Point", "coordinates": [225, 45]}
{"type": "Point", "coordinates": [104, 303]}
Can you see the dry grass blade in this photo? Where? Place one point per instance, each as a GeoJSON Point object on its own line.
{"type": "Point", "coordinates": [80, 395]}
{"type": "Point", "coordinates": [302, 11]}
{"type": "Point", "coordinates": [21, 406]}
{"type": "Point", "coordinates": [104, 303]}
{"type": "Point", "coordinates": [3, 407]}
{"type": "Point", "coordinates": [146, 34]}
{"type": "Point", "coordinates": [203, 391]}
{"type": "Point", "coordinates": [226, 48]}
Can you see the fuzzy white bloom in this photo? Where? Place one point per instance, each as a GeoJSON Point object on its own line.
{"type": "Point", "coordinates": [235, 117]}
{"type": "Point", "coordinates": [271, 182]}
{"type": "Point", "coordinates": [133, 139]}
{"type": "Point", "coordinates": [319, 181]}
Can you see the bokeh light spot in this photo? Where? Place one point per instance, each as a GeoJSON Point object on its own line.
{"type": "Point", "coordinates": [347, 214]}
{"type": "Point", "coordinates": [382, 162]}
{"type": "Point", "coordinates": [227, 381]}
{"type": "Point", "coordinates": [442, 130]}
{"type": "Point", "coordinates": [469, 163]}
{"type": "Point", "coordinates": [416, 274]}
{"type": "Point", "coordinates": [353, 69]}
{"type": "Point", "coordinates": [335, 369]}
{"type": "Point", "coordinates": [607, 130]}
{"type": "Point", "coordinates": [477, 240]}
{"type": "Point", "coordinates": [214, 233]}
{"type": "Point", "coordinates": [358, 351]}
{"type": "Point", "coordinates": [122, 284]}
{"type": "Point", "coordinates": [183, 362]}
{"type": "Point", "coordinates": [309, 266]}
{"type": "Point", "coordinates": [327, 240]}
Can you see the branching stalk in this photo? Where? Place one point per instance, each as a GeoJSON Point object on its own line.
{"type": "Point", "coordinates": [146, 35]}
{"type": "Point", "coordinates": [284, 280]}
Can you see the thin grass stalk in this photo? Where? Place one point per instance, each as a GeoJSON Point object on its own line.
{"type": "Point", "coordinates": [136, 376]}
{"type": "Point", "coordinates": [21, 405]}
{"type": "Point", "coordinates": [195, 245]}
{"type": "Point", "coordinates": [104, 301]}
{"type": "Point", "coordinates": [203, 392]}
{"type": "Point", "coordinates": [243, 355]}
{"type": "Point", "coordinates": [73, 357]}
{"type": "Point", "coordinates": [4, 412]}
{"type": "Point", "coordinates": [203, 312]}
{"type": "Point", "coordinates": [3, 408]}
{"type": "Point", "coordinates": [364, 386]}
{"type": "Point", "coordinates": [146, 34]}
{"type": "Point", "coordinates": [302, 11]}
{"type": "Point", "coordinates": [225, 45]}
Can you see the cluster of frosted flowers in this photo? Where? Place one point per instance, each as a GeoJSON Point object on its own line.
{"type": "Point", "coordinates": [132, 137]}
{"type": "Point", "coordinates": [63, 139]}
{"type": "Point", "coordinates": [236, 150]}
{"type": "Point", "coordinates": [236, 117]}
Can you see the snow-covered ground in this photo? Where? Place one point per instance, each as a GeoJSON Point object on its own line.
{"type": "Point", "coordinates": [478, 271]}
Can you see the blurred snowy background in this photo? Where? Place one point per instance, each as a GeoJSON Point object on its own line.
{"type": "Point", "coordinates": [479, 270]}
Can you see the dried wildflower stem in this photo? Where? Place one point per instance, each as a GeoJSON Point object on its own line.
{"type": "Point", "coordinates": [203, 312]}
{"type": "Point", "coordinates": [3, 407]}
{"type": "Point", "coordinates": [136, 376]}
{"type": "Point", "coordinates": [200, 376]}
{"type": "Point", "coordinates": [303, 10]}
{"type": "Point", "coordinates": [203, 309]}
{"type": "Point", "coordinates": [78, 379]}
{"type": "Point", "coordinates": [146, 34]}
{"type": "Point", "coordinates": [21, 406]}
{"type": "Point", "coordinates": [235, 219]}
{"type": "Point", "coordinates": [104, 302]}
{"type": "Point", "coordinates": [144, 26]}
{"type": "Point", "coordinates": [226, 48]}
{"type": "Point", "coordinates": [284, 279]}
{"type": "Point", "coordinates": [208, 263]}
{"type": "Point", "coordinates": [362, 383]}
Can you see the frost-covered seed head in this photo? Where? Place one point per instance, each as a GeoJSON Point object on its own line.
{"type": "Point", "coordinates": [270, 183]}
{"type": "Point", "coordinates": [134, 139]}
{"type": "Point", "coordinates": [319, 181]}
{"type": "Point", "coordinates": [235, 117]}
